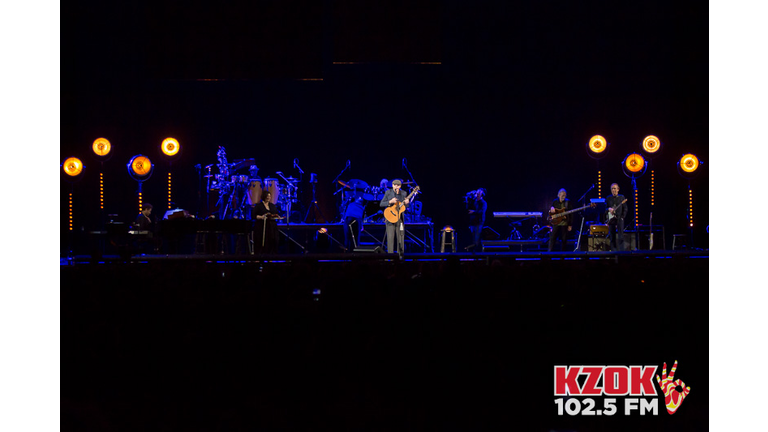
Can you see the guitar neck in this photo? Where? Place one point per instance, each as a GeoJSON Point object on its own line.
{"type": "Point", "coordinates": [408, 197]}
{"type": "Point", "coordinates": [571, 211]}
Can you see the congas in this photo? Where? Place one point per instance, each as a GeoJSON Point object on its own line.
{"type": "Point", "coordinates": [273, 187]}
{"type": "Point", "coordinates": [254, 192]}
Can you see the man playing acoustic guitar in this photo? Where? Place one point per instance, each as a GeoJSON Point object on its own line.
{"type": "Point", "coordinates": [561, 226]}
{"type": "Point", "coordinates": [393, 196]}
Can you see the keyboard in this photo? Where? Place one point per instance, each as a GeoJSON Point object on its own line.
{"type": "Point", "coordinates": [516, 214]}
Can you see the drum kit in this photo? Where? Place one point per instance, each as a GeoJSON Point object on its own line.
{"type": "Point", "coordinates": [361, 192]}
{"type": "Point", "coordinates": [236, 194]}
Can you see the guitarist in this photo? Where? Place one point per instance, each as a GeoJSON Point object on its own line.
{"type": "Point", "coordinates": [564, 226]}
{"type": "Point", "coordinates": [477, 207]}
{"type": "Point", "coordinates": [616, 213]}
{"type": "Point", "coordinates": [393, 196]}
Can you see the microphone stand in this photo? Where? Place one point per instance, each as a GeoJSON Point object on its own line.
{"type": "Point", "coordinates": [405, 166]}
{"type": "Point", "coordinates": [581, 228]}
{"type": "Point", "coordinates": [342, 172]}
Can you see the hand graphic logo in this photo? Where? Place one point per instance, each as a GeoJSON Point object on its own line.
{"type": "Point", "coordinates": [672, 398]}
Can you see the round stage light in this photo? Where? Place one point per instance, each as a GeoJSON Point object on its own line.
{"type": "Point", "coordinates": [597, 145]}
{"type": "Point", "coordinates": [689, 163]}
{"type": "Point", "coordinates": [140, 167]}
{"type": "Point", "coordinates": [170, 147]}
{"type": "Point", "coordinates": [634, 163]}
{"type": "Point", "coordinates": [102, 147]}
{"type": "Point", "coordinates": [651, 144]}
{"type": "Point", "coordinates": [73, 167]}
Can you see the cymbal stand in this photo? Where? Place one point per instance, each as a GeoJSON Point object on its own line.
{"type": "Point", "coordinates": [581, 228]}
{"type": "Point", "coordinates": [313, 208]}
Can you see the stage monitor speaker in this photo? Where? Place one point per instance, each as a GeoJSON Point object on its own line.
{"type": "Point", "coordinates": [598, 244]}
{"type": "Point", "coordinates": [629, 241]}
{"type": "Point", "coordinates": [369, 249]}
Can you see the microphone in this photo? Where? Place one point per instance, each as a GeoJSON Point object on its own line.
{"type": "Point", "coordinates": [405, 163]}
{"type": "Point", "coordinates": [294, 162]}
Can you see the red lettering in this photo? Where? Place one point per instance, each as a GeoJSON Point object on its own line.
{"type": "Point", "coordinates": [565, 380]}
{"type": "Point", "coordinates": [593, 376]}
{"type": "Point", "coordinates": [616, 380]}
{"type": "Point", "coordinates": [641, 380]}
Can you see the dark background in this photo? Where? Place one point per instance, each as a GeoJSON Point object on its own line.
{"type": "Point", "coordinates": [518, 92]}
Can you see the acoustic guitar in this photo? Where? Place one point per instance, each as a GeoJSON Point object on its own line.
{"type": "Point", "coordinates": [393, 212]}
{"type": "Point", "coordinates": [560, 214]}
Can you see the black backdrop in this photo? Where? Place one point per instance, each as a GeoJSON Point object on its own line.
{"type": "Point", "coordinates": [517, 94]}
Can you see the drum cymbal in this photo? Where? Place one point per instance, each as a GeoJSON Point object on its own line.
{"type": "Point", "coordinates": [208, 176]}
{"type": "Point", "coordinates": [344, 184]}
{"type": "Point", "coordinates": [358, 184]}
{"type": "Point", "coordinates": [292, 179]}
{"type": "Point", "coordinates": [408, 182]}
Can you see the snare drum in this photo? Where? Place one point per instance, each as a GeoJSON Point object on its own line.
{"type": "Point", "coordinates": [254, 192]}
{"type": "Point", "coordinates": [273, 187]}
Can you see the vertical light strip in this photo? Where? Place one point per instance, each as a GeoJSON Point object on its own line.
{"type": "Point", "coordinates": [637, 212]}
{"type": "Point", "coordinates": [690, 206]}
{"type": "Point", "coordinates": [599, 184]}
{"type": "Point", "coordinates": [141, 207]}
{"type": "Point", "coordinates": [71, 220]}
{"type": "Point", "coordinates": [653, 194]}
{"type": "Point", "coordinates": [101, 191]}
{"type": "Point", "coordinates": [169, 191]}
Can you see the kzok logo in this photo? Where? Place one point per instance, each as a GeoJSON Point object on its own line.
{"type": "Point", "coordinates": [672, 398]}
{"type": "Point", "coordinates": [623, 381]}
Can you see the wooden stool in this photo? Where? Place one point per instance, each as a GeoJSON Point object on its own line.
{"type": "Point", "coordinates": [451, 243]}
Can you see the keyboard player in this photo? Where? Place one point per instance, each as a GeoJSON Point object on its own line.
{"type": "Point", "coordinates": [144, 227]}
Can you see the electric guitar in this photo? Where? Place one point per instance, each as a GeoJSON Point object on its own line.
{"type": "Point", "coordinates": [560, 214]}
{"type": "Point", "coordinates": [613, 215]}
{"type": "Point", "coordinates": [393, 212]}
{"type": "Point", "coordinates": [650, 238]}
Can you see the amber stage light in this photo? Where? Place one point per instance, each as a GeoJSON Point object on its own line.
{"type": "Point", "coordinates": [651, 144]}
{"type": "Point", "coordinates": [102, 147]}
{"type": "Point", "coordinates": [689, 163]}
{"type": "Point", "coordinates": [73, 167]}
{"type": "Point", "coordinates": [597, 146]}
{"type": "Point", "coordinates": [140, 167]}
{"type": "Point", "coordinates": [170, 147]}
{"type": "Point", "coordinates": [634, 163]}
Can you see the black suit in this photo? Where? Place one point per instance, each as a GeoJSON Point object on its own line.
{"type": "Point", "coordinates": [616, 224]}
{"type": "Point", "coordinates": [396, 229]}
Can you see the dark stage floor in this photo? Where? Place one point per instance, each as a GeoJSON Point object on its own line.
{"type": "Point", "coordinates": [373, 342]}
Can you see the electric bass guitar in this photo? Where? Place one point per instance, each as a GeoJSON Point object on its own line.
{"type": "Point", "coordinates": [560, 214]}
{"type": "Point", "coordinates": [613, 215]}
{"type": "Point", "coordinates": [393, 212]}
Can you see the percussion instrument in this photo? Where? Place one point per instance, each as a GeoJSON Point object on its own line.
{"type": "Point", "coordinates": [273, 186]}
{"type": "Point", "coordinates": [253, 195]}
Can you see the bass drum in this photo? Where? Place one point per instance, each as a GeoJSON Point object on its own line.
{"type": "Point", "coordinates": [254, 192]}
{"type": "Point", "coordinates": [272, 185]}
